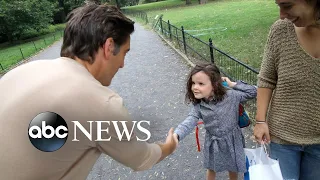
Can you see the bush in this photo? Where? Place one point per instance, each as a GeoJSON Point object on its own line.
{"type": "Point", "coordinates": [18, 17]}
{"type": "Point", "coordinates": [33, 33]}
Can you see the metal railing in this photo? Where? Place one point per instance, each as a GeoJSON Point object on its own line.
{"type": "Point", "coordinates": [17, 53]}
{"type": "Point", "coordinates": [198, 51]}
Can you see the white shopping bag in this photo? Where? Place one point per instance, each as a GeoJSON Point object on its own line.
{"type": "Point", "coordinates": [261, 167]}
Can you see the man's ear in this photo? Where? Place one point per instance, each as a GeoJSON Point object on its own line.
{"type": "Point", "coordinates": [108, 47]}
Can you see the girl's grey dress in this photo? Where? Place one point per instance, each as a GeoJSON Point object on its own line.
{"type": "Point", "coordinates": [224, 142]}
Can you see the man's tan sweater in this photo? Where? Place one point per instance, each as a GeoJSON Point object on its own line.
{"type": "Point", "coordinates": [65, 87]}
{"type": "Point", "coordinates": [294, 76]}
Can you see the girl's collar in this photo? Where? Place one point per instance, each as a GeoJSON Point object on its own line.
{"type": "Point", "coordinates": [208, 100]}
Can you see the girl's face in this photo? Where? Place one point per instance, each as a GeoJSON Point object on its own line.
{"type": "Point", "coordinates": [298, 12]}
{"type": "Point", "coordinates": [201, 85]}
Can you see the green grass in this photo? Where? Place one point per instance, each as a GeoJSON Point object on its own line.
{"type": "Point", "coordinates": [9, 56]}
{"type": "Point", "coordinates": [158, 5]}
{"type": "Point", "coordinates": [239, 27]}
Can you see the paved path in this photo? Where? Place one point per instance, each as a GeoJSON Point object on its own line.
{"type": "Point", "coordinates": [152, 84]}
{"type": "Point", "coordinates": [50, 53]}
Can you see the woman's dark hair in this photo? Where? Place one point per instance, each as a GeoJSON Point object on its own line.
{"type": "Point", "coordinates": [317, 10]}
{"type": "Point", "coordinates": [88, 28]}
{"type": "Point", "coordinates": [214, 74]}
{"type": "Point", "coordinates": [316, 4]}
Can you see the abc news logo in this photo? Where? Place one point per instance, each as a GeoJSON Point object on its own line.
{"type": "Point", "coordinates": [48, 131]}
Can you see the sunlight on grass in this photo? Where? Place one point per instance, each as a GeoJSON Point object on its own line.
{"type": "Point", "coordinates": [158, 5]}
{"type": "Point", "coordinates": [239, 28]}
{"type": "Point", "coordinates": [11, 55]}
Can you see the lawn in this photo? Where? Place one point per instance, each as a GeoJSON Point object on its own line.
{"type": "Point", "coordinates": [158, 5]}
{"type": "Point", "coordinates": [238, 27]}
{"type": "Point", "coordinates": [11, 55]}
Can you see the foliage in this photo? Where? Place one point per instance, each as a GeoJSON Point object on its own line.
{"type": "Point", "coordinates": [49, 30]}
{"type": "Point", "coordinates": [17, 17]}
{"type": "Point", "coordinates": [11, 55]}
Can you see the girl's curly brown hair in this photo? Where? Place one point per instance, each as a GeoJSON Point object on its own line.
{"type": "Point", "coordinates": [214, 74]}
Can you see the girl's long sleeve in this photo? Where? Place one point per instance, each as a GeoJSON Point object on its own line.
{"type": "Point", "coordinates": [245, 91]}
{"type": "Point", "coordinates": [188, 125]}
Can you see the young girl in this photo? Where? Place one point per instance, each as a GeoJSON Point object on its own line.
{"type": "Point", "coordinates": [219, 110]}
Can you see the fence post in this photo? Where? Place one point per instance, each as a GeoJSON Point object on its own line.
{"type": "Point", "coordinates": [161, 25]}
{"type": "Point", "coordinates": [211, 50]}
{"type": "Point", "coordinates": [21, 53]}
{"type": "Point", "coordinates": [54, 37]}
{"type": "Point", "coordinates": [34, 45]}
{"type": "Point", "coordinates": [178, 40]}
{"type": "Point", "coordinates": [146, 16]}
{"type": "Point", "coordinates": [169, 26]}
{"type": "Point", "coordinates": [184, 40]}
{"type": "Point", "coordinates": [44, 39]}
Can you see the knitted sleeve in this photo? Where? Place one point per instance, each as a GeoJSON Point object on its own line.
{"type": "Point", "coordinates": [268, 74]}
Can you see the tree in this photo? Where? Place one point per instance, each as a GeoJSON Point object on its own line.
{"type": "Point", "coordinates": [60, 15]}
{"type": "Point", "coordinates": [203, 1]}
{"type": "Point", "coordinates": [93, 1]}
{"type": "Point", "coordinates": [63, 7]}
{"type": "Point", "coordinates": [17, 17]}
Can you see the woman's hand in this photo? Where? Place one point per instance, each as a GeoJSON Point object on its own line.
{"type": "Point", "coordinates": [261, 133]}
{"type": "Point", "coordinates": [230, 83]}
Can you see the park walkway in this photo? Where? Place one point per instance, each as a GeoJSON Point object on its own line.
{"type": "Point", "coordinates": [152, 84]}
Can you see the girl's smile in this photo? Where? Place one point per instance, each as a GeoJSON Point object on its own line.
{"type": "Point", "coordinates": [201, 85]}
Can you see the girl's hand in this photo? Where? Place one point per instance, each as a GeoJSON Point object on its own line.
{"type": "Point", "coordinates": [175, 137]}
{"type": "Point", "coordinates": [230, 83]}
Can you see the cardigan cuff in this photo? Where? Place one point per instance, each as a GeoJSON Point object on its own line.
{"type": "Point", "coordinates": [264, 83]}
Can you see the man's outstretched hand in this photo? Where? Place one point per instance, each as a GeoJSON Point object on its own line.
{"type": "Point", "coordinates": [169, 146]}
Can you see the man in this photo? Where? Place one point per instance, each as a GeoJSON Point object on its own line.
{"type": "Point", "coordinates": [96, 40]}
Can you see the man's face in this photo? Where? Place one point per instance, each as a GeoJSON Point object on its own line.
{"type": "Point", "coordinates": [298, 12]}
{"type": "Point", "coordinates": [116, 61]}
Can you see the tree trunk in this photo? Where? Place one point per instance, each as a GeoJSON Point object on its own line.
{"type": "Point", "coordinates": [203, 1]}
{"type": "Point", "coordinates": [188, 2]}
{"type": "Point", "coordinates": [118, 4]}
{"type": "Point", "coordinates": [95, 1]}
{"type": "Point", "coordinates": [60, 16]}
{"type": "Point", "coordinates": [61, 3]}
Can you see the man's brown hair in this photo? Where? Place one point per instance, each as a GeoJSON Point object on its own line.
{"type": "Point", "coordinates": [88, 28]}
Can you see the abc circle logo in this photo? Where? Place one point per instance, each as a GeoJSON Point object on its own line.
{"type": "Point", "coordinates": [48, 131]}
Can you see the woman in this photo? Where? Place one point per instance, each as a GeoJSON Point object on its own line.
{"type": "Point", "coordinates": [289, 90]}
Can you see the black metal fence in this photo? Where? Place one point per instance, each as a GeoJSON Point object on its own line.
{"type": "Point", "coordinates": [10, 57]}
{"type": "Point", "coordinates": [198, 51]}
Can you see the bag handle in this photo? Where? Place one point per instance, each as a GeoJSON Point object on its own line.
{"type": "Point", "coordinates": [264, 148]}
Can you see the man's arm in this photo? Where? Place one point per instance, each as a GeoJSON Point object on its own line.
{"type": "Point", "coordinates": [138, 155]}
{"type": "Point", "coordinates": [169, 146]}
